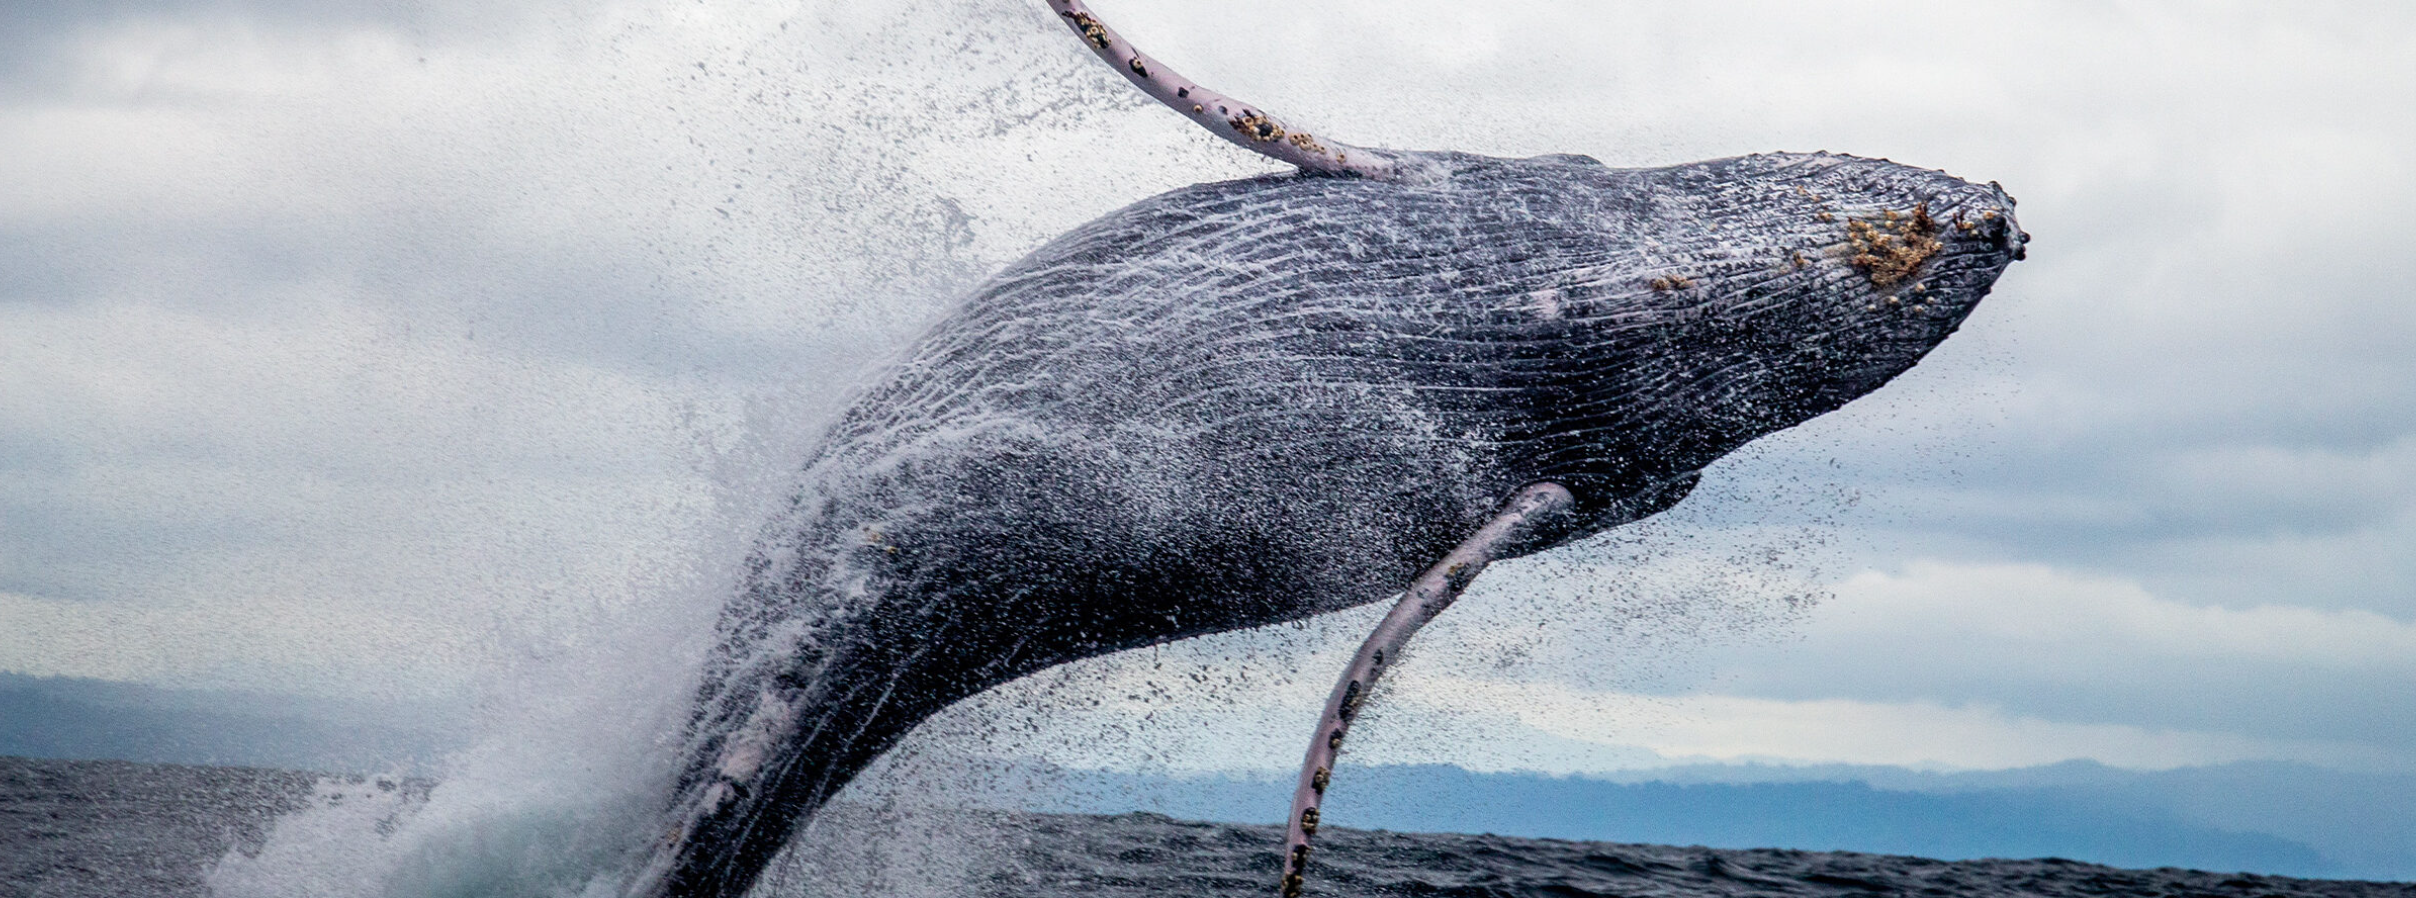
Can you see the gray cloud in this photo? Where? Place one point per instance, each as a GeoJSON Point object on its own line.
{"type": "Point", "coordinates": [2038, 643]}
{"type": "Point", "coordinates": [431, 313]}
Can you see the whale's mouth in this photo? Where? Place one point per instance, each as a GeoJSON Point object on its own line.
{"type": "Point", "coordinates": [1984, 223]}
{"type": "Point", "coordinates": [1988, 228]}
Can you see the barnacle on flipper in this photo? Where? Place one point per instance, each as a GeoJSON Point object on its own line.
{"type": "Point", "coordinates": [1302, 140]}
{"type": "Point", "coordinates": [1256, 127]}
{"type": "Point", "coordinates": [1091, 30]}
{"type": "Point", "coordinates": [1892, 248]}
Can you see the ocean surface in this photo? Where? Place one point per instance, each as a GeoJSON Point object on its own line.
{"type": "Point", "coordinates": [112, 828]}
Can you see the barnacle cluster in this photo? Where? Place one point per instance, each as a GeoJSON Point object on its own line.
{"type": "Point", "coordinates": [1891, 249]}
{"type": "Point", "coordinates": [1091, 29]}
{"type": "Point", "coordinates": [1256, 126]}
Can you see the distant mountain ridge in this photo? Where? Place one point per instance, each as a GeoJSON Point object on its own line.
{"type": "Point", "coordinates": [73, 718]}
{"type": "Point", "coordinates": [2283, 819]}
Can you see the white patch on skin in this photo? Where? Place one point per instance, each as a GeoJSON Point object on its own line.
{"type": "Point", "coordinates": [1546, 304]}
{"type": "Point", "coordinates": [773, 720]}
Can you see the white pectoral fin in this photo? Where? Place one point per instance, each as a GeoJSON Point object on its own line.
{"type": "Point", "coordinates": [1247, 125]}
{"type": "Point", "coordinates": [1537, 506]}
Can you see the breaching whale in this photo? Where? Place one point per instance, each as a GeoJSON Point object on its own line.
{"type": "Point", "coordinates": [1254, 401]}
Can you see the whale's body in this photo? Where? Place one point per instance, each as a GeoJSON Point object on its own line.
{"type": "Point", "coordinates": [1254, 401]}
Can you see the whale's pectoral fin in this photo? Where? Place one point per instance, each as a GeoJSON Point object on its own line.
{"type": "Point", "coordinates": [1538, 507]}
{"type": "Point", "coordinates": [1249, 126]}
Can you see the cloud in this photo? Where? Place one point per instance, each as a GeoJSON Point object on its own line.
{"type": "Point", "coordinates": [2042, 642]}
{"type": "Point", "coordinates": [1938, 666]}
{"type": "Point", "coordinates": [446, 325]}
{"type": "Point", "coordinates": [2054, 622]}
{"type": "Point", "coordinates": [428, 324]}
{"type": "Point", "coordinates": [180, 457]}
{"type": "Point", "coordinates": [297, 640]}
{"type": "Point", "coordinates": [1729, 728]}
{"type": "Point", "coordinates": [1194, 708]}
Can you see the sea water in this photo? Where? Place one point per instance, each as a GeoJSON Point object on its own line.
{"type": "Point", "coordinates": [84, 829]}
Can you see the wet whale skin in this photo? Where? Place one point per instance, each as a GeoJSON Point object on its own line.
{"type": "Point", "coordinates": [1253, 401]}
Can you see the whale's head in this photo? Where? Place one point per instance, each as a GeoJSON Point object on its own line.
{"type": "Point", "coordinates": [1649, 321]}
{"type": "Point", "coordinates": [1712, 303]}
{"type": "Point", "coordinates": [1890, 261]}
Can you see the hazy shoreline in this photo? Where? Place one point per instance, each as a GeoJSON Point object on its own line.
{"type": "Point", "coordinates": [117, 828]}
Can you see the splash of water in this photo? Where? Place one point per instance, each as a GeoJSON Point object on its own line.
{"type": "Point", "coordinates": [836, 175]}
{"type": "Point", "coordinates": [825, 177]}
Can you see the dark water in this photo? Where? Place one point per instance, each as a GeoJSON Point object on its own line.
{"type": "Point", "coordinates": [112, 828]}
{"type": "Point", "coordinates": [107, 828]}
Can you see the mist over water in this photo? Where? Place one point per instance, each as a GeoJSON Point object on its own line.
{"type": "Point", "coordinates": [810, 185]}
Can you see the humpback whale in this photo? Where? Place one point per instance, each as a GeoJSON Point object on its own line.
{"type": "Point", "coordinates": [1254, 401]}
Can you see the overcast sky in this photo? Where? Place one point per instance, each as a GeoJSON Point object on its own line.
{"type": "Point", "coordinates": [437, 352]}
